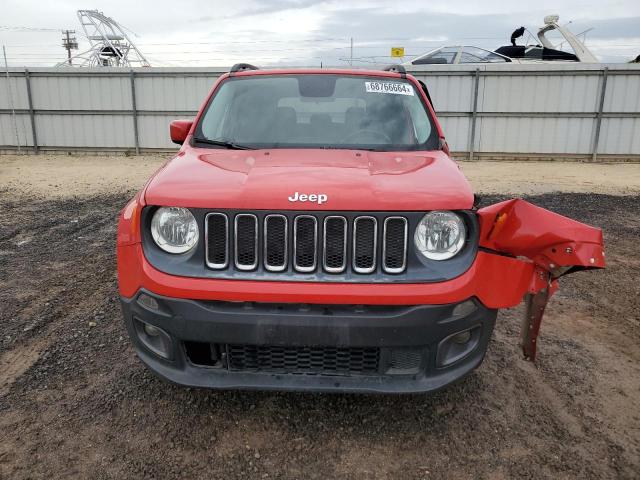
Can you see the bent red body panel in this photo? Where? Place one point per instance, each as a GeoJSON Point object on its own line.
{"type": "Point", "coordinates": [556, 245]}
{"type": "Point", "coordinates": [550, 240]}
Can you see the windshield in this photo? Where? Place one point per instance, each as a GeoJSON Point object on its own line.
{"type": "Point", "coordinates": [317, 111]}
{"type": "Point", "coordinates": [444, 55]}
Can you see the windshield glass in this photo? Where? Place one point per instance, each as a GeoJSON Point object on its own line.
{"type": "Point", "coordinates": [444, 55]}
{"type": "Point", "coordinates": [480, 55]}
{"type": "Point", "coordinates": [318, 111]}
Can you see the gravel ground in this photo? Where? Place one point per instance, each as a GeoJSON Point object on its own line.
{"type": "Point", "coordinates": [75, 402]}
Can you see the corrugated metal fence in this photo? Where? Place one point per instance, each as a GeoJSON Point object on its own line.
{"type": "Point", "coordinates": [498, 111]}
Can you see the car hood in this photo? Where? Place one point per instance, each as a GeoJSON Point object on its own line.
{"type": "Point", "coordinates": [350, 180]}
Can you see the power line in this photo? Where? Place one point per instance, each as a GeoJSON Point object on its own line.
{"type": "Point", "coordinates": [318, 47]}
{"type": "Point", "coordinates": [28, 29]}
{"type": "Point", "coordinates": [261, 42]}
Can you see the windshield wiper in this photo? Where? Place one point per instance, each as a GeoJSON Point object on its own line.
{"type": "Point", "coordinates": [222, 143]}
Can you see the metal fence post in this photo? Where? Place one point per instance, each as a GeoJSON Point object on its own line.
{"type": "Point", "coordinates": [32, 113]}
{"type": "Point", "coordinates": [596, 134]}
{"type": "Point", "coordinates": [10, 98]}
{"type": "Point", "coordinates": [134, 110]}
{"type": "Point", "coordinates": [474, 113]}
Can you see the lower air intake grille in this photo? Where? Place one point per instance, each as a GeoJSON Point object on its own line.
{"type": "Point", "coordinates": [304, 360]}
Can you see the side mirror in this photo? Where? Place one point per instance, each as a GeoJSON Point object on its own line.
{"type": "Point", "coordinates": [179, 129]}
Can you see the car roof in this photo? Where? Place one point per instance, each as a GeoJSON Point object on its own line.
{"type": "Point", "coordinates": [319, 71]}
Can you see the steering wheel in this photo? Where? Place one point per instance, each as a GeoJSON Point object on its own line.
{"type": "Point", "coordinates": [366, 131]}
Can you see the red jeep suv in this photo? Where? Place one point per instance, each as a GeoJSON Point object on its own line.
{"type": "Point", "coordinates": [313, 233]}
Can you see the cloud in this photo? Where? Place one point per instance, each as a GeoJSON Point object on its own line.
{"type": "Point", "coordinates": [273, 6]}
{"type": "Point", "coordinates": [299, 32]}
{"type": "Point", "coordinates": [609, 28]}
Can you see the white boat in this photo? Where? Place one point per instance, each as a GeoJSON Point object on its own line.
{"type": "Point", "coordinates": [542, 52]}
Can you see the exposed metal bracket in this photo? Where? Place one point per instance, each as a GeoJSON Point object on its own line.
{"type": "Point", "coordinates": [535, 306]}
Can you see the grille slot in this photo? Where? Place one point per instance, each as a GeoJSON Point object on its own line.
{"type": "Point", "coordinates": [275, 243]}
{"type": "Point", "coordinates": [303, 360]}
{"type": "Point", "coordinates": [217, 244]}
{"type": "Point", "coordinates": [246, 241]}
{"type": "Point", "coordinates": [394, 244]}
{"type": "Point", "coordinates": [365, 240]}
{"type": "Point", "coordinates": [334, 258]}
{"type": "Point", "coordinates": [305, 243]}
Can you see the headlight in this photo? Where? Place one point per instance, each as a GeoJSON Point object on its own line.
{"type": "Point", "coordinates": [174, 229]}
{"type": "Point", "coordinates": [440, 235]}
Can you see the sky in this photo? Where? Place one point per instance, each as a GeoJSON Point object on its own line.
{"type": "Point", "coordinates": [174, 33]}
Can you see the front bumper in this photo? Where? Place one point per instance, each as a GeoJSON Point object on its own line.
{"type": "Point", "coordinates": [311, 347]}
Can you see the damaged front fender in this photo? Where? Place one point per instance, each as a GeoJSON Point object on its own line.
{"type": "Point", "coordinates": [556, 245]}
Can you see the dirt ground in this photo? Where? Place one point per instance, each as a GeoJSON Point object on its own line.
{"type": "Point", "coordinates": [75, 402]}
{"type": "Point", "coordinates": [64, 175]}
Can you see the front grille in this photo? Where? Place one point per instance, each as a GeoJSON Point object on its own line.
{"type": "Point", "coordinates": [335, 244]}
{"type": "Point", "coordinates": [394, 244]}
{"type": "Point", "coordinates": [246, 241]}
{"type": "Point", "coordinates": [275, 243]}
{"type": "Point", "coordinates": [303, 360]}
{"type": "Point", "coordinates": [365, 234]}
{"type": "Point", "coordinates": [305, 243]}
{"type": "Point", "coordinates": [217, 233]}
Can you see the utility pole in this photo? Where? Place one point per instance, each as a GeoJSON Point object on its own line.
{"type": "Point", "coordinates": [69, 42]}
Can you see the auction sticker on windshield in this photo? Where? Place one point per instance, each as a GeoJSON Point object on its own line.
{"type": "Point", "coordinates": [389, 87]}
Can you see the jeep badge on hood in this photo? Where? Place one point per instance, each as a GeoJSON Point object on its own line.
{"type": "Point", "coordinates": [320, 198]}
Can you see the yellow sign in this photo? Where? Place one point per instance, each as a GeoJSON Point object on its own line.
{"type": "Point", "coordinates": [397, 51]}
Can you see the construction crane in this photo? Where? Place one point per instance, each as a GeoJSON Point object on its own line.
{"type": "Point", "coordinates": [110, 45]}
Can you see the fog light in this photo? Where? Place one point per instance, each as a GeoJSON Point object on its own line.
{"type": "Point", "coordinates": [457, 346]}
{"type": "Point", "coordinates": [151, 330]}
{"type": "Point", "coordinates": [154, 338]}
{"type": "Point", "coordinates": [461, 338]}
